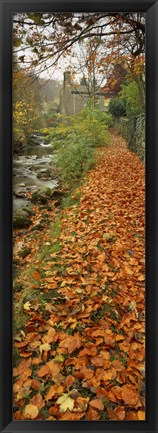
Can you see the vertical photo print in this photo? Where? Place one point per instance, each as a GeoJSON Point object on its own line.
{"type": "Point", "coordinates": [79, 216]}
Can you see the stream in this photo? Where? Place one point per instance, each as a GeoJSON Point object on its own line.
{"type": "Point", "coordinates": [33, 170]}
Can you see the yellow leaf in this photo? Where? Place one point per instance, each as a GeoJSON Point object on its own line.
{"type": "Point", "coordinates": [27, 306]}
{"type": "Point", "coordinates": [65, 402]}
{"type": "Point", "coordinates": [141, 415]}
{"type": "Point", "coordinates": [46, 347]}
{"type": "Point", "coordinates": [59, 358]}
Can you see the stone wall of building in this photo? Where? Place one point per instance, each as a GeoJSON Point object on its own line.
{"type": "Point", "coordinates": [73, 99]}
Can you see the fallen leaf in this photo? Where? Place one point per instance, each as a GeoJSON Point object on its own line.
{"type": "Point", "coordinates": [30, 411]}
{"type": "Point", "coordinates": [129, 395]}
{"type": "Point", "coordinates": [71, 343]}
{"type": "Point", "coordinates": [72, 416]}
{"type": "Point", "coordinates": [65, 402]}
{"type": "Point", "coordinates": [35, 384]}
{"type": "Point", "coordinates": [54, 390]}
{"type": "Point", "coordinates": [38, 401]}
{"type": "Point", "coordinates": [27, 306]}
{"type": "Point", "coordinates": [36, 275]}
{"type": "Point", "coordinates": [96, 404]}
{"type": "Point", "coordinates": [92, 414]}
{"type": "Point", "coordinates": [141, 415]}
{"type": "Point", "coordinates": [45, 347]}
{"type": "Point", "coordinates": [43, 371]}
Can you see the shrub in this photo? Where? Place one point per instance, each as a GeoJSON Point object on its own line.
{"type": "Point", "coordinates": [74, 141]}
{"type": "Point", "coordinates": [117, 107]}
{"type": "Point", "coordinates": [74, 158]}
{"type": "Point", "coordinates": [130, 95]}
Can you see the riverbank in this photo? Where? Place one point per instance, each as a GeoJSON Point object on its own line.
{"type": "Point", "coordinates": [79, 299]}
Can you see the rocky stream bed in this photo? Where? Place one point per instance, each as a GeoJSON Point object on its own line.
{"type": "Point", "coordinates": [35, 181]}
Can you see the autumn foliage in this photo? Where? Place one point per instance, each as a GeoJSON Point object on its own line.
{"type": "Point", "coordinates": [81, 353]}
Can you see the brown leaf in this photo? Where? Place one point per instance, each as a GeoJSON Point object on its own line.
{"type": "Point", "coordinates": [30, 411]}
{"type": "Point", "coordinates": [52, 281]}
{"type": "Point", "coordinates": [36, 275]}
{"type": "Point", "coordinates": [43, 371]}
{"type": "Point", "coordinates": [118, 365]}
{"type": "Point", "coordinates": [97, 360]}
{"type": "Point", "coordinates": [50, 336]}
{"type": "Point", "coordinates": [86, 373]}
{"type": "Point", "coordinates": [81, 404]}
{"type": "Point", "coordinates": [54, 390]}
{"type": "Point", "coordinates": [69, 381]}
{"type": "Point", "coordinates": [53, 368]}
{"type": "Point", "coordinates": [92, 414]}
{"type": "Point", "coordinates": [37, 400]}
{"type": "Point", "coordinates": [131, 416]}
{"type": "Point", "coordinates": [71, 343]}
{"type": "Point", "coordinates": [35, 384]}
{"type": "Point", "coordinates": [72, 416]}
{"type": "Point", "coordinates": [120, 412]}
{"type": "Point", "coordinates": [96, 404]}
{"type": "Point", "coordinates": [129, 395]}
{"type": "Point", "coordinates": [117, 391]}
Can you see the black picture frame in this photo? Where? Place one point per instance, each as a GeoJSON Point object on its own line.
{"type": "Point", "coordinates": [150, 7]}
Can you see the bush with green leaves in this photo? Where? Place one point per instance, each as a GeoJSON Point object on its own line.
{"type": "Point", "coordinates": [74, 141]}
{"type": "Point", "coordinates": [94, 124]}
{"type": "Point", "coordinates": [89, 122]}
{"type": "Point", "coordinates": [130, 94]}
{"type": "Point", "coordinates": [117, 107]}
{"type": "Point", "coordinates": [74, 158]}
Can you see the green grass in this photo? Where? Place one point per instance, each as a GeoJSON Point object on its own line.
{"type": "Point", "coordinates": [71, 200]}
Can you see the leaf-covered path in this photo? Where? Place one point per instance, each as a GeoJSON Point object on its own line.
{"type": "Point", "coordinates": [82, 348]}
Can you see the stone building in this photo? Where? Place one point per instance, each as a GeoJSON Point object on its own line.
{"type": "Point", "coordinates": [73, 99]}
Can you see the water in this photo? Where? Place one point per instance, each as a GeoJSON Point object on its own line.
{"type": "Point", "coordinates": [31, 171]}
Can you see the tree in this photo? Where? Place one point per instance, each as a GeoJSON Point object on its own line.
{"type": "Point", "coordinates": [27, 107]}
{"type": "Point", "coordinates": [60, 31]}
{"type": "Point", "coordinates": [89, 64]}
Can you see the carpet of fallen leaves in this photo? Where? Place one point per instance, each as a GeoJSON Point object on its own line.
{"type": "Point", "coordinates": [82, 354]}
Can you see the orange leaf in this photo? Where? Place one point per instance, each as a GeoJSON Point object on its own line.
{"type": "Point", "coordinates": [141, 415]}
{"type": "Point", "coordinates": [131, 416]}
{"type": "Point", "coordinates": [120, 412]}
{"type": "Point", "coordinates": [118, 365]}
{"type": "Point", "coordinates": [81, 404]}
{"type": "Point", "coordinates": [117, 391]}
{"type": "Point", "coordinates": [87, 373]}
{"type": "Point", "coordinates": [43, 371]}
{"type": "Point", "coordinates": [98, 361]}
{"type": "Point", "coordinates": [53, 368]}
{"type": "Point", "coordinates": [54, 390]}
{"type": "Point", "coordinates": [71, 343]}
{"type": "Point", "coordinates": [92, 414]}
{"type": "Point", "coordinates": [37, 400]}
{"type": "Point", "coordinates": [102, 393]}
{"type": "Point", "coordinates": [25, 354]}
{"type": "Point", "coordinates": [50, 336]}
{"type": "Point", "coordinates": [69, 381]}
{"type": "Point", "coordinates": [72, 416]}
{"type": "Point", "coordinates": [96, 404]}
{"type": "Point", "coordinates": [35, 384]}
{"type": "Point", "coordinates": [30, 411]}
{"type": "Point", "coordinates": [129, 395]}
{"type": "Point", "coordinates": [36, 275]}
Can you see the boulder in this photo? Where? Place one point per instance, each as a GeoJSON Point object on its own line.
{"type": "Point", "coordinates": [41, 195]}
{"type": "Point", "coordinates": [21, 219]}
